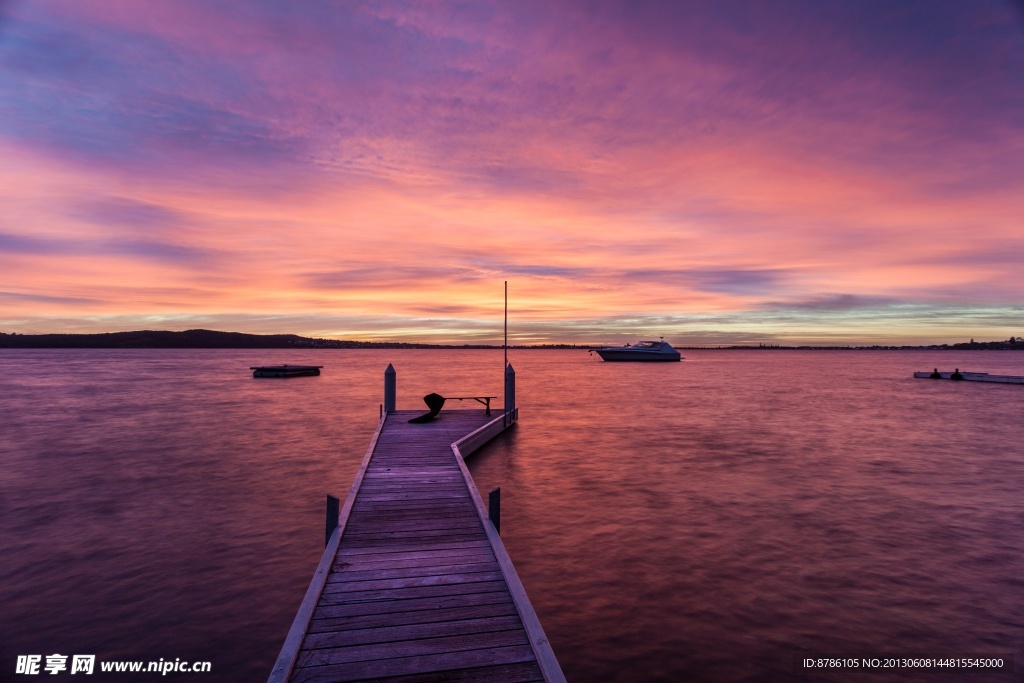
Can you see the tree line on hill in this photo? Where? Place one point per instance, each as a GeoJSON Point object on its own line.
{"type": "Point", "coordinates": [211, 339]}
{"type": "Point", "coordinates": [189, 339]}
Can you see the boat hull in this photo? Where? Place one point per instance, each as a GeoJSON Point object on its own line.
{"type": "Point", "coordinates": [286, 370]}
{"type": "Point", "coordinates": [627, 356]}
{"type": "Point", "coordinates": [974, 377]}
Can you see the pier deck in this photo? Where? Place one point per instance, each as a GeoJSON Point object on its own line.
{"type": "Point", "coordinates": [415, 585]}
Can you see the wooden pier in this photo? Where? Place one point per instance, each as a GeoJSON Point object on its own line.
{"type": "Point", "coordinates": [415, 584]}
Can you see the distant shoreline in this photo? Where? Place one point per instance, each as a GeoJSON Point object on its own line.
{"type": "Point", "coordinates": [210, 339]}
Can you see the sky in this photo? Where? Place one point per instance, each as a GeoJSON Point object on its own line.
{"type": "Point", "coordinates": [793, 172]}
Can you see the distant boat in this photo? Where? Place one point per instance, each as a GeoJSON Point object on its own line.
{"type": "Point", "coordinates": [971, 377]}
{"type": "Point", "coordinates": [285, 370]}
{"type": "Point", "coordinates": [645, 351]}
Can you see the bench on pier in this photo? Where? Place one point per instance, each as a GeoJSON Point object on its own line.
{"type": "Point", "coordinates": [435, 402]}
{"type": "Point", "coordinates": [483, 400]}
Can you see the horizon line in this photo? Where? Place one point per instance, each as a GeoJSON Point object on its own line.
{"type": "Point", "coordinates": [1013, 343]}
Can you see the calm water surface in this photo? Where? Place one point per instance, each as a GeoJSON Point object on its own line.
{"type": "Point", "coordinates": [709, 520]}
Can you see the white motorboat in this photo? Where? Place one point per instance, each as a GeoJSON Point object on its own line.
{"type": "Point", "coordinates": [641, 351]}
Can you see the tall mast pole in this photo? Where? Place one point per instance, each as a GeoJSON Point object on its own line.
{"type": "Point", "coordinates": [505, 344]}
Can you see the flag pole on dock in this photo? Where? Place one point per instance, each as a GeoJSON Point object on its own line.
{"type": "Point", "coordinates": [504, 347]}
{"type": "Point", "coordinates": [505, 343]}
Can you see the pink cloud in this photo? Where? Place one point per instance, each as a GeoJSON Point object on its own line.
{"type": "Point", "coordinates": [662, 159]}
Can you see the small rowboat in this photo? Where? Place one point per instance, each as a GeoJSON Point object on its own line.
{"type": "Point", "coordinates": [285, 370]}
{"type": "Point", "coordinates": [971, 377]}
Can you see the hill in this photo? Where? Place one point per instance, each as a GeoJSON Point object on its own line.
{"type": "Point", "coordinates": [189, 339]}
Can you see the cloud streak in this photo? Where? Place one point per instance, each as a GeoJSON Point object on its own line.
{"type": "Point", "coordinates": [617, 162]}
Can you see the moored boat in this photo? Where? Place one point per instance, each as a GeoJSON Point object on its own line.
{"type": "Point", "coordinates": [644, 351]}
{"type": "Point", "coordinates": [285, 370]}
{"type": "Point", "coordinates": [971, 377]}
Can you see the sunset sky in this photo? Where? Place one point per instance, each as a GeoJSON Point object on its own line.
{"type": "Point", "coordinates": [714, 172]}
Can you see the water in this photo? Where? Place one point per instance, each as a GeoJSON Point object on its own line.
{"type": "Point", "coordinates": [710, 520]}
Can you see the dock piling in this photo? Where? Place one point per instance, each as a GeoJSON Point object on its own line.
{"type": "Point", "coordinates": [333, 505]}
{"type": "Point", "coordinates": [390, 389]}
{"type": "Point", "coordinates": [494, 508]}
{"type": "Point", "coordinates": [510, 393]}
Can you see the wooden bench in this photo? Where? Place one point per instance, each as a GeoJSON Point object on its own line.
{"type": "Point", "coordinates": [484, 400]}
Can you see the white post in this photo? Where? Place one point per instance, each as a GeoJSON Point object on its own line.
{"type": "Point", "coordinates": [390, 391]}
{"type": "Point", "coordinates": [510, 393]}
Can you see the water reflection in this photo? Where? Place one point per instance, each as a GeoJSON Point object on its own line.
{"type": "Point", "coordinates": [705, 520]}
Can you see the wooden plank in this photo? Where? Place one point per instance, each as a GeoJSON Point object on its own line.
{"type": "Point", "coordinates": [370, 510]}
{"type": "Point", "coordinates": [493, 574]}
{"type": "Point", "coordinates": [422, 664]}
{"type": "Point", "coordinates": [400, 525]}
{"type": "Point", "coordinates": [360, 621]}
{"type": "Point", "coordinates": [370, 561]}
{"type": "Point", "coordinates": [391, 634]}
{"type": "Point", "coordinates": [400, 539]}
{"type": "Point", "coordinates": [416, 539]}
{"type": "Point", "coordinates": [450, 516]}
{"type": "Point", "coordinates": [387, 572]}
{"type": "Point", "coordinates": [403, 559]}
{"type": "Point", "coordinates": [337, 598]}
{"type": "Point", "coordinates": [418, 508]}
{"type": "Point", "coordinates": [403, 475]}
{"type": "Point", "coordinates": [413, 549]}
{"type": "Point", "coordinates": [413, 567]}
{"type": "Point", "coordinates": [437, 509]}
{"type": "Point", "coordinates": [409, 484]}
{"type": "Point", "coordinates": [398, 468]}
{"type": "Point", "coordinates": [413, 492]}
{"type": "Point", "coordinates": [372, 506]}
{"type": "Point", "coordinates": [393, 652]}
{"type": "Point", "coordinates": [416, 495]}
{"type": "Point", "coordinates": [400, 503]}
{"type": "Point", "coordinates": [430, 490]}
{"type": "Point", "coordinates": [459, 521]}
{"type": "Point", "coordinates": [440, 511]}
{"type": "Point", "coordinates": [414, 605]}
{"type": "Point", "coordinates": [385, 542]}
{"type": "Point", "coordinates": [521, 672]}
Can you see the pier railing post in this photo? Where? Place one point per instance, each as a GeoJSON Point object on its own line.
{"type": "Point", "coordinates": [510, 393]}
{"type": "Point", "coordinates": [390, 389]}
{"type": "Point", "coordinates": [333, 505]}
{"type": "Point", "coordinates": [494, 508]}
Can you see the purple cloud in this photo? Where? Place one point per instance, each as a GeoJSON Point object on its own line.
{"type": "Point", "coordinates": [46, 299]}
{"type": "Point", "coordinates": [147, 250]}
